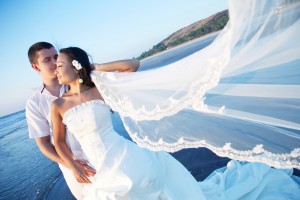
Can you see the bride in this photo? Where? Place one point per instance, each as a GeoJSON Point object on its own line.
{"type": "Point", "coordinates": [250, 79]}
{"type": "Point", "coordinates": [123, 170]}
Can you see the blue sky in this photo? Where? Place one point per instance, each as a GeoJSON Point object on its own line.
{"type": "Point", "coordinates": [107, 30]}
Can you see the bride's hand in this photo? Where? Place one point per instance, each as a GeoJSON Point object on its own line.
{"type": "Point", "coordinates": [87, 169]}
{"type": "Point", "coordinates": [79, 174]}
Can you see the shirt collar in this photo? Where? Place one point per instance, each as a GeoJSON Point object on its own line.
{"type": "Point", "coordinates": [63, 89]}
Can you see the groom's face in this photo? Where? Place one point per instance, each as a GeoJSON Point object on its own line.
{"type": "Point", "coordinates": [46, 62]}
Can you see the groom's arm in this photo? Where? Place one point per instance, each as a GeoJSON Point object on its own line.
{"type": "Point", "coordinates": [47, 148]}
{"type": "Point", "coordinates": [130, 65]}
{"type": "Point", "coordinates": [39, 129]}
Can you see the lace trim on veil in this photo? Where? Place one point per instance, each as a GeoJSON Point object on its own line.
{"type": "Point", "coordinates": [257, 154]}
{"type": "Point", "coordinates": [196, 91]}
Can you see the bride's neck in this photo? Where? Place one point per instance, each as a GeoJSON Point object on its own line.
{"type": "Point", "coordinates": [78, 89]}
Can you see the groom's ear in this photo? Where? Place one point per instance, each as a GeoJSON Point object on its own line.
{"type": "Point", "coordinates": [35, 67]}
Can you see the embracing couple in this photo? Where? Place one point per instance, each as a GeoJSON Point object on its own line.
{"type": "Point", "coordinates": [72, 126]}
{"type": "Point", "coordinates": [43, 57]}
{"type": "Point", "coordinates": [252, 67]}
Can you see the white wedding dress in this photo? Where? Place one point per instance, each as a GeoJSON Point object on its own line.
{"type": "Point", "coordinates": [126, 171]}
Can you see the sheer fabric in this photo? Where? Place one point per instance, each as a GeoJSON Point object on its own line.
{"type": "Point", "coordinates": [239, 97]}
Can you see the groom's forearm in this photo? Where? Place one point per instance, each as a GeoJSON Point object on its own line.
{"type": "Point", "coordinates": [47, 148]}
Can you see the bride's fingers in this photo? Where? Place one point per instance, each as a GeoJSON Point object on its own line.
{"type": "Point", "coordinates": [89, 172]}
{"type": "Point", "coordinates": [79, 180]}
{"type": "Point", "coordinates": [81, 162]}
{"type": "Point", "coordinates": [82, 178]}
{"type": "Point", "coordinates": [86, 180]}
{"type": "Point", "coordinates": [80, 174]}
{"type": "Point", "coordinates": [88, 168]}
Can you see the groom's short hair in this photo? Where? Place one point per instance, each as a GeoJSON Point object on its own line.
{"type": "Point", "coordinates": [35, 48]}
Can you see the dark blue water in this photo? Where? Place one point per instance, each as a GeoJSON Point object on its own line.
{"type": "Point", "coordinates": [25, 173]}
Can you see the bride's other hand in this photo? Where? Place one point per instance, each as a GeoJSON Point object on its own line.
{"type": "Point", "coordinates": [89, 171]}
{"type": "Point", "coordinates": [79, 173]}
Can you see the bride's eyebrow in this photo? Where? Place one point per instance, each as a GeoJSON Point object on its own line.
{"type": "Point", "coordinates": [58, 63]}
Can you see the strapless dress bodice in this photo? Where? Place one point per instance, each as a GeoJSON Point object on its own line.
{"type": "Point", "coordinates": [91, 124]}
{"type": "Point", "coordinates": [90, 116]}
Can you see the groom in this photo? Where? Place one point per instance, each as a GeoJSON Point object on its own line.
{"type": "Point", "coordinates": [42, 56]}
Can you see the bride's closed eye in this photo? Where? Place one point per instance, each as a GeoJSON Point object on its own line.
{"type": "Point", "coordinates": [59, 64]}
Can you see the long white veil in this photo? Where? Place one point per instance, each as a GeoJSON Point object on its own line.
{"type": "Point", "coordinates": [239, 97]}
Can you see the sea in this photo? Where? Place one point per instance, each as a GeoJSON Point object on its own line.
{"type": "Point", "coordinates": [25, 173]}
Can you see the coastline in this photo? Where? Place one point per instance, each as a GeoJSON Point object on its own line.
{"type": "Point", "coordinates": [182, 45]}
{"type": "Point", "coordinates": [60, 190]}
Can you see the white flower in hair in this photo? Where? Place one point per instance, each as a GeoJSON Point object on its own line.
{"type": "Point", "coordinates": [76, 64]}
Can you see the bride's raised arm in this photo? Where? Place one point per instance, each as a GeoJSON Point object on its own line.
{"type": "Point", "coordinates": [129, 65]}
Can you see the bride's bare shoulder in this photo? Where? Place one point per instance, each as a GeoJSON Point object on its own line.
{"type": "Point", "coordinates": [95, 92]}
{"type": "Point", "coordinates": [59, 104]}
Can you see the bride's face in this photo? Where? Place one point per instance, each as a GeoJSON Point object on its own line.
{"type": "Point", "coordinates": [65, 71]}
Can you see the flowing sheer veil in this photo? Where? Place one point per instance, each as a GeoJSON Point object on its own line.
{"type": "Point", "coordinates": [239, 97]}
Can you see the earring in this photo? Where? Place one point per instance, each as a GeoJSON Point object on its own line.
{"type": "Point", "coordinates": [80, 80]}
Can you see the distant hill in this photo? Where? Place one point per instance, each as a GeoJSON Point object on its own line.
{"type": "Point", "coordinates": [210, 24]}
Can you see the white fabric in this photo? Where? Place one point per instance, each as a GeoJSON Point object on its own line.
{"type": "Point", "coordinates": [38, 118]}
{"type": "Point", "coordinates": [249, 181]}
{"type": "Point", "coordinates": [238, 97]}
{"type": "Point", "coordinates": [123, 170]}
{"type": "Point", "coordinates": [38, 114]}
{"type": "Point", "coordinates": [75, 187]}
{"type": "Point", "coordinates": [126, 171]}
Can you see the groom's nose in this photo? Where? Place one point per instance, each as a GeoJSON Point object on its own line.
{"type": "Point", "coordinates": [55, 63]}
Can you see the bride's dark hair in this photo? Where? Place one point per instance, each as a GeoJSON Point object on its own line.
{"type": "Point", "coordinates": [75, 53]}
